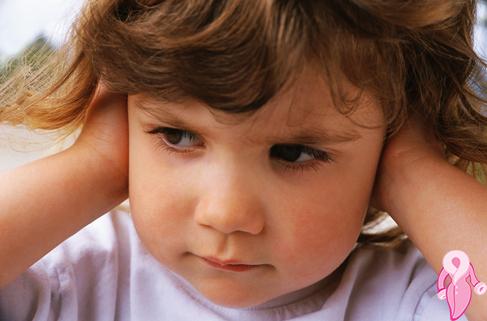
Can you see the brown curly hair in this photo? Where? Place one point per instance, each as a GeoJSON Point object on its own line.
{"type": "Point", "coordinates": [236, 55]}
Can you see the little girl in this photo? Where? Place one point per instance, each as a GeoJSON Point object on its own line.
{"type": "Point", "coordinates": [258, 143]}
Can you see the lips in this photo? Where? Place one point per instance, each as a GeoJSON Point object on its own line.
{"type": "Point", "coordinates": [230, 267]}
{"type": "Point", "coordinates": [224, 262]}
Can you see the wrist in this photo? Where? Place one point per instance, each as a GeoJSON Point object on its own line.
{"type": "Point", "coordinates": [406, 181]}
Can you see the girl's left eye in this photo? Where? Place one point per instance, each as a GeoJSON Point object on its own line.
{"type": "Point", "coordinates": [172, 137]}
{"type": "Point", "coordinates": [290, 154]}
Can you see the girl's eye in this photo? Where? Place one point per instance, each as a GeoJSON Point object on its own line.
{"type": "Point", "coordinates": [300, 157]}
{"type": "Point", "coordinates": [294, 156]}
{"type": "Point", "coordinates": [176, 140]}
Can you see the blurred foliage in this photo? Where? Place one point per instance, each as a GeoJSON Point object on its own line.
{"type": "Point", "coordinates": [31, 56]}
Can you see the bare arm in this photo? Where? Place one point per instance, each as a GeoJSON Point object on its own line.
{"type": "Point", "coordinates": [437, 205]}
{"type": "Point", "coordinates": [44, 202]}
{"type": "Point", "coordinates": [441, 209]}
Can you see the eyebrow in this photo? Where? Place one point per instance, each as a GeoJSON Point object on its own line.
{"type": "Point", "coordinates": [304, 135]}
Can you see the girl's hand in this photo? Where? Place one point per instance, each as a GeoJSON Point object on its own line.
{"type": "Point", "coordinates": [105, 136]}
{"type": "Point", "coordinates": [412, 145]}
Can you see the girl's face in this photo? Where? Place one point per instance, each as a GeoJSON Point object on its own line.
{"type": "Point", "coordinates": [286, 190]}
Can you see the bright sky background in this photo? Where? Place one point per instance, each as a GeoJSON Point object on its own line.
{"type": "Point", "coordinates": [481, 31]}
{"type": "Point", "coordinates": [22, 20]}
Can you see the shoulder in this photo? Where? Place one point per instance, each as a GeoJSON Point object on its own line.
{"type": "Point", "coordinates": [397, 282]}
{"type": "Point", "coordinates": [98, 244]}
{"type": "Point", "coordinates": [97, 254]}
{"type": "Point", "coordinates": [400, 268]}
{"type": "Point", "coordinates": [87, 265]}
{"type": "Point", "coordinates": [379, 264]}
{"type": "Point", "coordinates": [101, 236]}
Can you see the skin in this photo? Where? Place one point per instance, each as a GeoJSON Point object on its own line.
{"type": "Point", "coordinates": [224, 196]}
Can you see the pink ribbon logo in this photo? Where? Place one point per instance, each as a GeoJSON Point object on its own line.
{"type": "Point", "coordinates": [458, 293]}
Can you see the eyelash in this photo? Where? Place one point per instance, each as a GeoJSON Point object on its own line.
{"type": "Point", "coordinates": [321, 157]}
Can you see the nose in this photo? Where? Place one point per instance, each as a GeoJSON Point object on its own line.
{"type": "Point", "coordinates": [228, 202]}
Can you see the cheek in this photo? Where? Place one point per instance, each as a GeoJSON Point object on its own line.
{"type": "Point", "coordinates": [319, 232]}
{"type": "Point", "coordinates": [158, 208]}
{"type": "Point", "coordinates": [313, 231]}
{"type": "Point", "coordinates": [153, 191]}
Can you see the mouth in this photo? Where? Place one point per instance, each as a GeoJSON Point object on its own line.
{"type": "Point", "coordinates": [224, 262]}
{"type": "Point", "coordinates": [229, 265]}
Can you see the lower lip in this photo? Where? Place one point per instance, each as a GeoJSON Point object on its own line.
{"type": "Point", "coordinates": [234, 268]}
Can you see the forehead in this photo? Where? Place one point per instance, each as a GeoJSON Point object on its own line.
{"type": "Point", "coordinates": [306, 106]}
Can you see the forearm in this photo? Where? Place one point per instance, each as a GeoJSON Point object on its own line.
{"type": "Point", "coordinates": [46, 201]}
{"type": "Point", "coordinates": [442, 208]}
